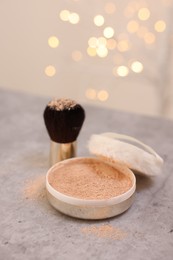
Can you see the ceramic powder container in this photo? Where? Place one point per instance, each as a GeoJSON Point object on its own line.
{"type": "Point", "coordinates": [95, 188]}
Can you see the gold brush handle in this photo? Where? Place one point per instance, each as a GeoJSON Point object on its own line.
{"type": "Point", "coordinates": [60, 152]}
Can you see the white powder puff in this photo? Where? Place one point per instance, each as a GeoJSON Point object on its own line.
{"type": "Point", "coordinates": [143, 160]}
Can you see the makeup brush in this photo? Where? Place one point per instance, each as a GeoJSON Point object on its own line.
{"type": "Point", "coordinates": [63, 119]}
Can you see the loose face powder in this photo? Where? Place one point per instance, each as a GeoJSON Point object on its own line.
{"type": "Point", "coordinates": [89, 178]}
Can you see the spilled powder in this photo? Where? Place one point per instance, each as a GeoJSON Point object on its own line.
{"type": "Point", "coordinates": [104, 231]}
{"type": "Point", "coordinates": [34, 189]}
{"type": "Point", "coordinates": [89, 179]}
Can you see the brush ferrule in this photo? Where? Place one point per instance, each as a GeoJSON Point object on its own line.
{"type": "Point", "coordinates": [60, 152]}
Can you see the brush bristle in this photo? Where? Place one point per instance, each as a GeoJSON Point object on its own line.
{"type": "Point", "coordinates": [63, 119]}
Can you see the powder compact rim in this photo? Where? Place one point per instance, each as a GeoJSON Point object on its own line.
{"type": "Point", "coordinates": [90, 209]}
{"type": "Point", "coordinates": [115, 149]}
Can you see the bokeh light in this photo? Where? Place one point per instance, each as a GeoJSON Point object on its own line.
{"type": "Point", "coordinates": [160, 26]}
{"type": "Point", "coordinates": [99, 20]}
{"type": "Point", "coordinates": [122, 71]}
{"type": "Point", "coordinates": [101, 41]}
{"type": "Point", "coordinates": [53, 42]}
{"type": "Point", "coordinates": [91, 51]}
{"type": "Point", "coordinates": [50, 71]}
{"type": "Point", "coordinates": [149, 38]}
{"type": "Point", "coordinates": [74, 18]}
{"type": "Point", "coordinates": [100, 45]}
{"type": "Point", "coordinates": [91, 93]}
{"type": "Point", "coordinates": [93, 42]}
{"type": "Point", "coordinates": [64, 15]}
{"type": "Point", "coordinates": [102, 51]}
{"type": "Point", "coordinates": [97, 46]}
{"type": "Point", "coordinates": [102, 95]}
{"type": "Point", "coordinates": [108, 32]}
{"type": "Point", "coordinates": [136, 66]}
{"type": "Point", "coordinates": [143, 14]}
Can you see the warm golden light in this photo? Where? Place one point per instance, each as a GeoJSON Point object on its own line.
{"type": "Point", "coordinates": [160, 26]}
{"type": "Point", "coordinates": [102, 51]}
{"type": "Point", "coordinates": [92, 42]}
{"type": "Point", "coordinates": [50, 71]}
{"type": "Point", "coordinates": [108, 32]}
{"type": "Point", "coordinates": [99, 20]}
{"type": "Point", "coordinates": [101, 41]}
{"type": "Point", "coordinates": [136, 67]}
{"type": "Point", "coordinates": [64, 15]}
{"type": "Point", "coordinates": [74, 18]}
{"type": "Point", "coordinates": [123, 45]}
{"type": "Point", "coordinates": [102, 95]}
{"type": "Point", "coordinates": [143, 14]}
{"type": "Point", "coordinates": [149, 38]}
{"type": "Point", "coordinates": [122, 71]}
{"type": "Point", "coordinates": [76, 55]}
{"type": "Point", "coordinates": [111, 44]}
{"type": "Point", "coordinates": [91, 93]}
{"type": "Point", "coordinates": [53, 42]}
{"type": "Point", "coordinates": [110, 8]}
{"type": "Point", "coordinates": [91, 51]}
{"type": "Point", "coordinates": [132, 26]}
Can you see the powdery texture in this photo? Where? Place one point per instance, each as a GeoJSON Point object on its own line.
{"type": "Point", "coordinates": [89, 179]}
{"type": "Point", "coordinates": [61, 104]}
{"type": "Point", "coordinates": [35, 188]}
{"type": "Point", "coordinates": [104, 231]}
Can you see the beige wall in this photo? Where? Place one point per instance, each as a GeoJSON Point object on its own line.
{"type": "Point", "coordinates": [25, 27]}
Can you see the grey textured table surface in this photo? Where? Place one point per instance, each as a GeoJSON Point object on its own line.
{"type": "Point", "coordinates": [31, 229]}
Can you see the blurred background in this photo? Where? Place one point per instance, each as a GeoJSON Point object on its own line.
{"type": "Point", "coordinates": [109, 53]}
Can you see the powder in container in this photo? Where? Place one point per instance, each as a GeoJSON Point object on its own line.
{"type": "Point", "coordinates": [89, 179]}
